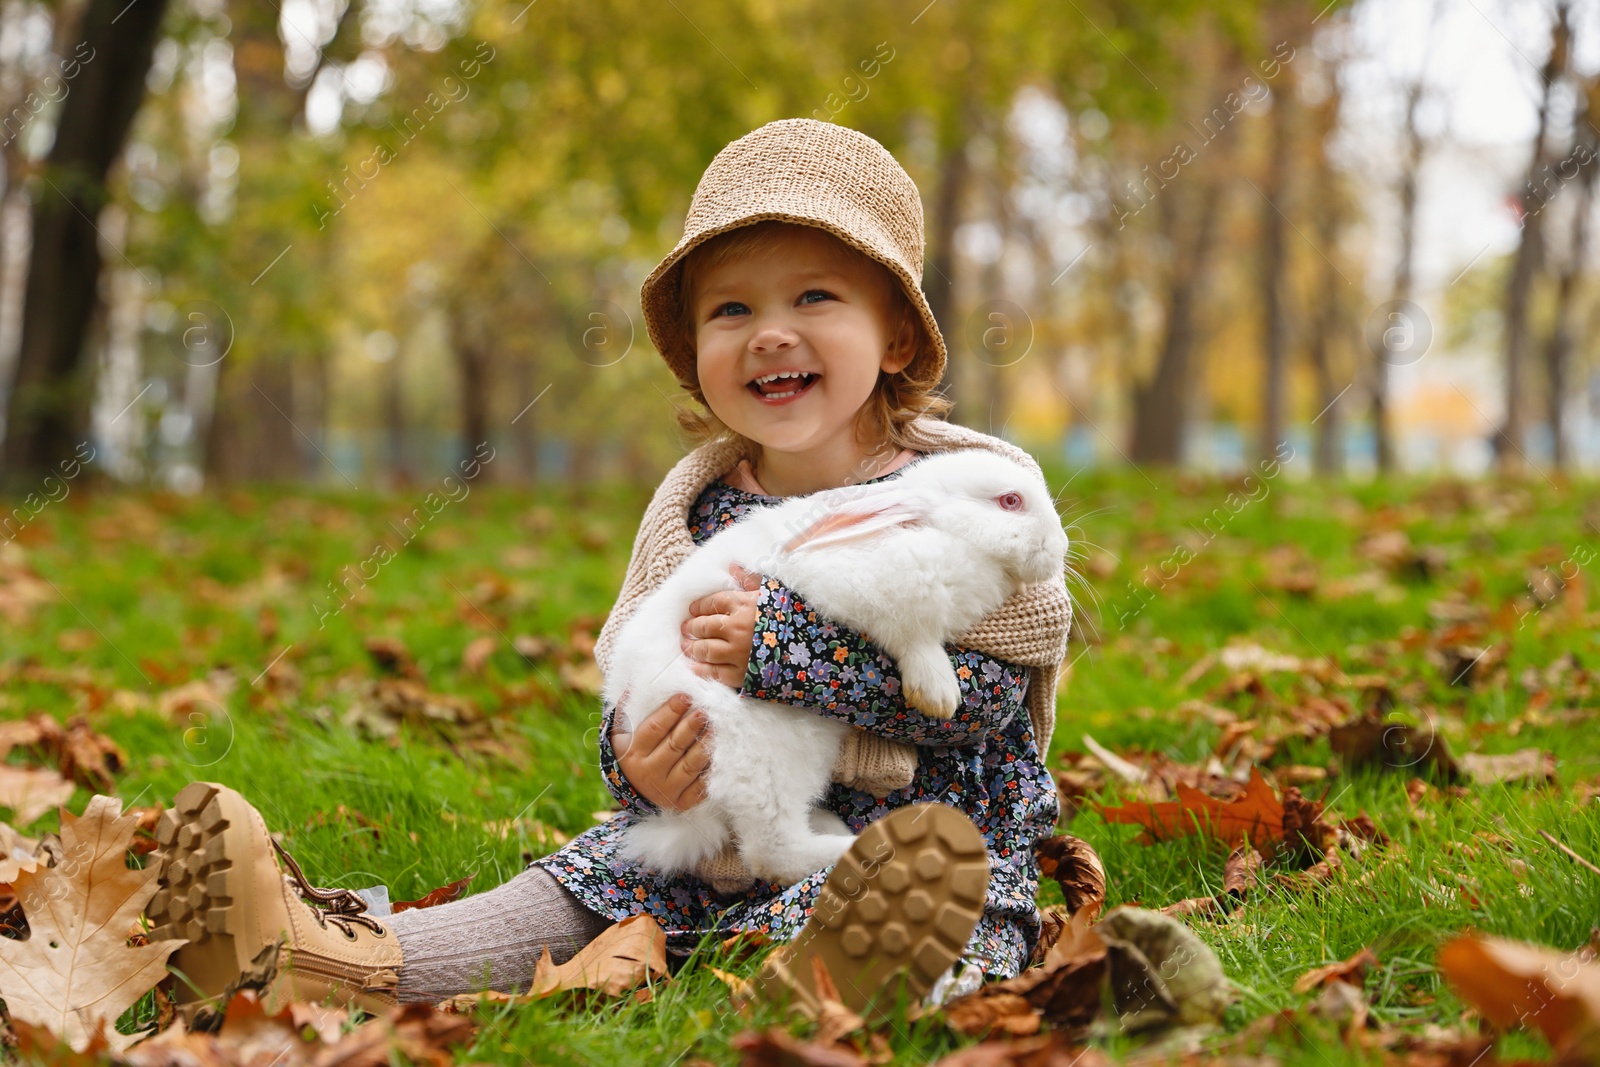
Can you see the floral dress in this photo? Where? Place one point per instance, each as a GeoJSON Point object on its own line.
{"type": "Point", "coordinates": [983, 760]}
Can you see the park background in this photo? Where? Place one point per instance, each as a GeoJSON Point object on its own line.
{"type": "Point", "coordinates": [347, 242]}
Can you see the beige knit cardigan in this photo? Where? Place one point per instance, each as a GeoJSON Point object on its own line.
{"type": "Point", "coordinates": [1029, 629]}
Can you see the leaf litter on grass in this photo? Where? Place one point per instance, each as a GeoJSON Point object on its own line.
{"type": "Point", "coordinates": [1261, 713]}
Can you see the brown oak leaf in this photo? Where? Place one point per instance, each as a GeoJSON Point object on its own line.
{"type": "Point", "coordinates": [76, 968]}
{"type": "Point", "coordinates": [623, 957]}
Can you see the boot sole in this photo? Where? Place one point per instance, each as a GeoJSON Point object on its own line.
{"type": "Point", "coordinates": [202, 867]}
{"type": "Point", "coordinates": [903, 901]}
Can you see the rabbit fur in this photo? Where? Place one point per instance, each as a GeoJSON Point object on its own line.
{"type": "Point", "coordinates": [910, 563]}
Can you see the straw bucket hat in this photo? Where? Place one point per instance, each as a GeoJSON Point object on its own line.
{"type": "Point", "coordinates": [814, 174]}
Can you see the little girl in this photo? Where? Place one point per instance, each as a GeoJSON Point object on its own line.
{"type": "Point", "coordinates": [792, 313]}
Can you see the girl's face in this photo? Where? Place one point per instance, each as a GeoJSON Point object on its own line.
{"type": "Point", "coordinates": [807, 307]}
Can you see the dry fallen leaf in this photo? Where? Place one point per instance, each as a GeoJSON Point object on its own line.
{"type": "Point", "coordinates": [248, 1035]}
{"type": "Point", "coordinates": [16, 854]}
{"type": "Point", "coordinates": [1162, 974]}
{"type": "Point", "coordinates": [739, 988]}
{"type": "Point", "coordinates": [31, 791]}
{"type": "Point", "coordinates": [203, 697]}
{"type": "Point", "coordinates": [1041, 1050]}
{"type": "Point", "coordinates": [21, 588]}
{"type": "Point", "coordinates": [1324, 870]}
{"type": "Point", "coordinates": [584, 676]}
{"type": "Point", "coordinates": [1387, 742]}
{"type": "Point", "coordinates": [1008, 1013]}
{"type": "Point", "coordinates": [743, 944]}
{"type": "Point", "coordinates": [1258, 815]}
{"type": "Point", "coordinates": [1241, 872]}
{"type": "Point", "coordinates": [1343, 1004]}
{"type": "Point", "coordinates": [417, 1033]}
{"type": "Point", "coordinates": [88, 756]}
{"type": "Point", "coordinates": [378, 706]}
{"type": "Point", "coordinates": [1353, 970]}
{"type": "Point", "coordinates": [443, 895]}
{"type": "Point", "coordinates": [477, 653]}
{"type": "Point", "coordinates": [38, 1045]}
{"type": "Point", "coordinates": [1529, 765]}
{"type": "Point", "coordinates": [306, 1035]}
{"type": "Point", "coordinates": [774, 1047]}
{"type": "Point", "coordinates": [76, 967]}
{"type": "Point", "coordinates": [622, 958]}
{"type": "Point", "coordinates": [390, 654]}
{"type": "Point", "coordinates": [1063, 991]}
{"type": "Point", "coordinates": [1555, 992]}
{"type": "Point", "coordinates": [1077, 869]}
{"type": "Point", "coordinates": [834, 1021]}
{"type": "Point", "coordinates": [1251, 656]}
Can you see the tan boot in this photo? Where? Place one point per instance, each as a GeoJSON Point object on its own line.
{"type": "Point", "coordinates": [900, 904]}
{"type": "Point", "coordinates": [220, 886]}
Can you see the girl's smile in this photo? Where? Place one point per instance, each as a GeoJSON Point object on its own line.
{"type": "Point", "coordinates": [780, 387]}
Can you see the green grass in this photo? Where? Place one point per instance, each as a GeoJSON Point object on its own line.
{"type": "Point", "coordinates": [153, 592]}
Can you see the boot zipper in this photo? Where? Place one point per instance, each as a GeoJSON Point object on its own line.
{"type": "Point", "coordinates": [349, 974]}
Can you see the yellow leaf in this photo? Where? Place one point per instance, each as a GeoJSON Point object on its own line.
{"type": "Point", "coordinates": [76, 968]}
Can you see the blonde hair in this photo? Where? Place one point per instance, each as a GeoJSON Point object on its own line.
{"type": "Point", "coordinates": [896, 399]}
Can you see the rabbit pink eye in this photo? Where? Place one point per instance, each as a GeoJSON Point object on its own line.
{"type": "Point", "coordinates": [1010, 501]}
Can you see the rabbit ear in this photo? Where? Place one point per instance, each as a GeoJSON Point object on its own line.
{"type": "Point", "coordinates": [857, 521]}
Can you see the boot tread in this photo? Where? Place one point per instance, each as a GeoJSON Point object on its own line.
{"type": "Point", "coordinates": [901, 904]}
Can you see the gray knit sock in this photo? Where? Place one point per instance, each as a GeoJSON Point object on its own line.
{"type": "Point", "coordinates": [490, 940]}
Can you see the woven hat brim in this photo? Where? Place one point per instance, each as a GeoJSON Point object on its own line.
{"type": "Point", "coordinates": [659, 295]}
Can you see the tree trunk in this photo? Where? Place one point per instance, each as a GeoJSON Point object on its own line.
{"type": "Point", "coordinates": [394, 418]}
{"type": "Point", "coordinates": [1530, 251]}
{"type": "Point", "coordinates": [1326, 323]}
{"type": "Point", "coordinates": [472, 359]}
{"type": "Point", "coordinates": [939, 277]}
{"type": "Point", "coordinates": [50, 399]}
{"type": "Point", "coordinates": [998, 368]}
{"type": "Point", "coordinates": [256, 433]}
{"type": "Point", "coordinates": [1558, 348]}
{"type": "Point", "coordinates": [1274, 302]}
{"type": "Point", "coordinates": [253, 435]}
{"type": "Point", "coordinates": [1411, 165]}
{"type": "Point", "coordinates": [1160, 408]}
{"type": "Point", "coordinates": [525, 438]}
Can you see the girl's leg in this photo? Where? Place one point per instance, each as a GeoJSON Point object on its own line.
{"type": "Point", "coordinates": [244, 917]}
{"type": "Point", "coordinates": [492, 940]}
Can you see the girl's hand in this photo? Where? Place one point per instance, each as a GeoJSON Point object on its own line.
{"type": "Point", "coordinates": [666, 760]}
{"type": "Point", "coordinates": [720, 627]}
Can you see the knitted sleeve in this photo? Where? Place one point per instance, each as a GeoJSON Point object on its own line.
{"type": "Point", "coordinates": [800, 657]}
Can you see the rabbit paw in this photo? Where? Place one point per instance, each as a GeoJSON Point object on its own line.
{"type": "Point", "coordinates": [930, 684]}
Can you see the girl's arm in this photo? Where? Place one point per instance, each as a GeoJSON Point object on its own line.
{"type": "Point", "coordinates": [617, 783]}
{"type": "Point", "coordinates": [800, 657]}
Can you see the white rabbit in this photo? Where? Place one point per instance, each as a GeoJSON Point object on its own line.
{"type": "Point", "coordinates": [910, 563]}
